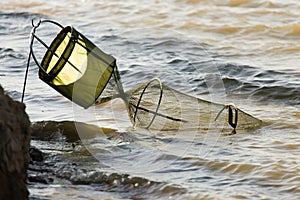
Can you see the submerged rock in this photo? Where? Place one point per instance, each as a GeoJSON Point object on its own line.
{"type": "Point", "coordinates": [14, 148]}
{"type": "Point", "coordinates": [36, 154]}
{"type": "Point", "coordinates": [67, 130]}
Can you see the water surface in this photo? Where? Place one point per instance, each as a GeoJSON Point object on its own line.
{"type": "Point", "coordinates": [250, 47]}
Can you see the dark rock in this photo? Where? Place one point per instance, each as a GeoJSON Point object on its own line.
{"type": "Point", "coordinates": [36, 154]}
{"type": "Point", "coordinates": [14, 148]}
{"type": "Point", "coordinates": [55, 131]}
{"type": "Point", "coordinates": [40, 178]}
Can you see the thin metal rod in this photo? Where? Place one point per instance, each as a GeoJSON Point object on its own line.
{"type": "Point", "coordinates": [159, 114]}
{"type": "Point", "coordinates": [53, 22]}
{"type": "Point", "coordinates": [46, 46]}
{"type": "Point", "coordinates": [220, 112]}
{"type": "Point", "coordinates": [159, 101]}
{"type": "Point", "coordinates": [32, 36]}
{"type": "Point", "coordinates": [26, 72]}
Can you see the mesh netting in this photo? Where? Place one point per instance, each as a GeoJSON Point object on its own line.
{"type": "Point", "coordinates": [157, 106]}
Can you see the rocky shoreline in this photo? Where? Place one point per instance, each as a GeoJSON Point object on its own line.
{"type": "Point", "coordinates": [14, 148]}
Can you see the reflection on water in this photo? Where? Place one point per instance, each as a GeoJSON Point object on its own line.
{"type": "Point", "coordinates": [245, 52]}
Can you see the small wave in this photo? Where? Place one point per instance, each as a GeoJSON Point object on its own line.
{"type": "Point", "coordinates": [266, 86]}
{"type": "Point", "coordinates": [8, 53]}
{"type": "Point", "coordinates": [21, 5]}
{"type": "Point", "coordinates": [282, 94]}
{"type": "Point", "coordinates": [239, 2]}
{"type": "Point", "coordinates": [279, 175]}
{"type": "Point", "coordinates": [19, 23]}
{"type": "Point", "coordinates": [77, 166]}
{"type": "Point", "coordinates": [115, 182]}
{"type": "Point", "coordinates": [291, 30]}
{"type": "Point", "coordinates": [236, 70]}
{"type": "Point", "coordinates": [24, 15]}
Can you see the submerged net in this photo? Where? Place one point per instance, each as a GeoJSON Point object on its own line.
{"type": "Point", "coordinates": [156, 106]}
{"type": "Point", "coordinates": [81, 72]}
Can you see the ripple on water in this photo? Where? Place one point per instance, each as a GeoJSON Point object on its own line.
{"type": "Point", "coordinates": [259, 164]}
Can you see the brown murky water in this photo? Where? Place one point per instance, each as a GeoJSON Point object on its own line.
{"type": "Point", "coordinates": [251, 46]}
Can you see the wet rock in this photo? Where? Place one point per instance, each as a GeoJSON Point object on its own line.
{"type": "Point", "coordinates": [39, 171]}
{"type": "Point", "coordinates": [36, 154]}
{"type": "Point", "coordinates": [56, 131]}
{"type": "Point", "coordinates": [40, 178]}
{"type": "Point", "coordinates": [14, 148]}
